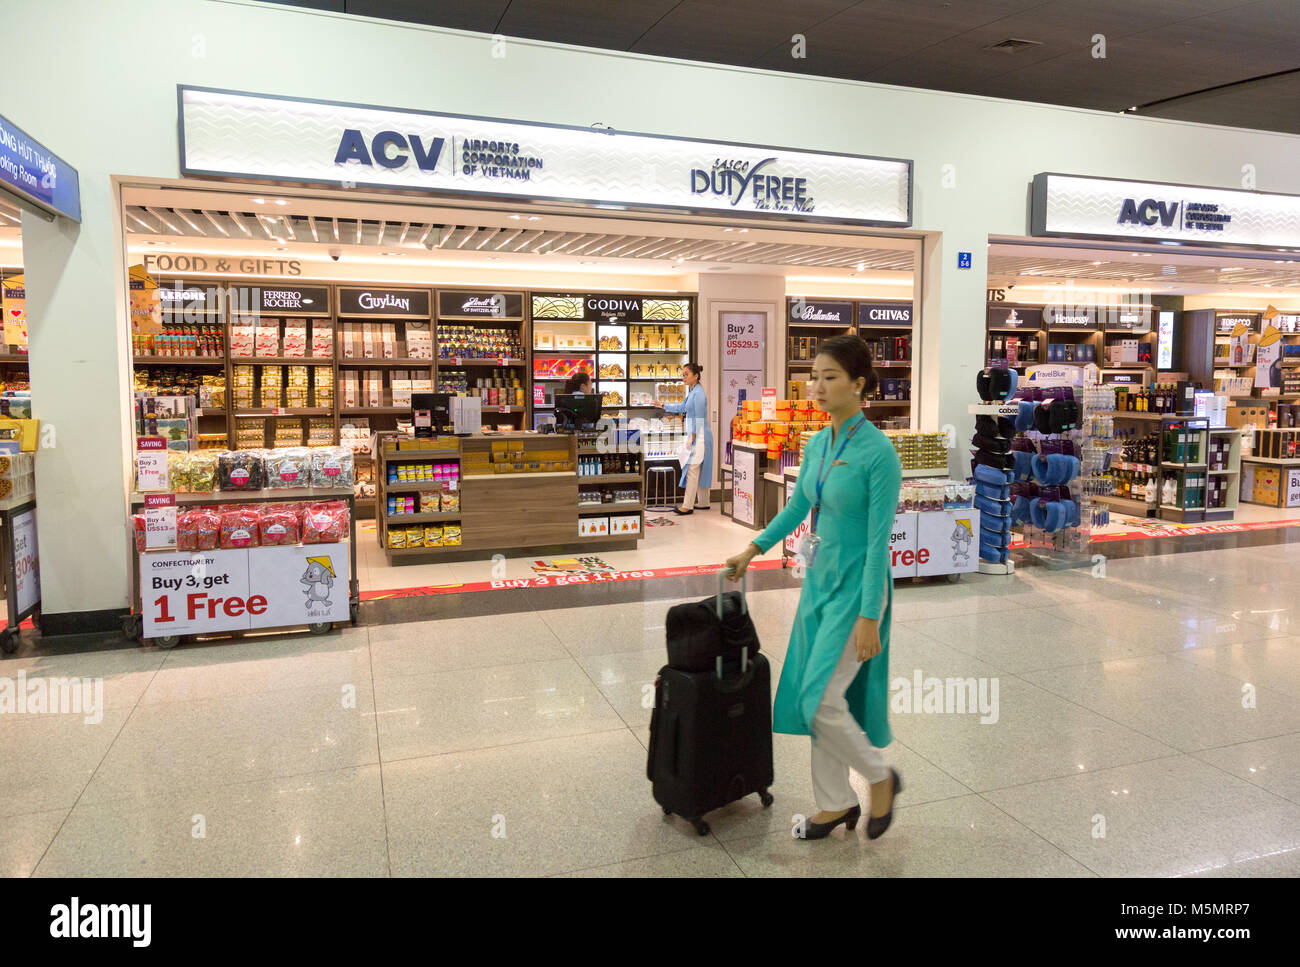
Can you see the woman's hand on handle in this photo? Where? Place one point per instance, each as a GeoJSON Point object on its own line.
{"type": "Point", "coordinates": [736, 566]}
{"type": "Point", "coordinates": [866, 638]}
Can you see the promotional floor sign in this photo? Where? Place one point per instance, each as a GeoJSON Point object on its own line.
{"type": "Point", "coordinates": [946, 542]}
{"type": "Point", "coordinates": [201, 592]}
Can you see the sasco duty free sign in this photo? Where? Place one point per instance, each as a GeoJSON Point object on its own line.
{"type": "Point", "coordinates": [199, 592]}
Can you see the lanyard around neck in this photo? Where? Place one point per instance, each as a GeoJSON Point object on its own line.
{"type": "Point", "coordinates": [846, 434]}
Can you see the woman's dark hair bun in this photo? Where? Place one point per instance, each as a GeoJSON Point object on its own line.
{"type": "Point", "coordinates": [854, 357]}
{"type": "Point", "coordinates": [695, 368]}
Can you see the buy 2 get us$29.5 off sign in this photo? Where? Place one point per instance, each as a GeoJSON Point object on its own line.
{"type": "Point", "coordinates": [202, 592]}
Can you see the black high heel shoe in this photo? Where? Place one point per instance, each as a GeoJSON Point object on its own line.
{"type": "Point", "coordinates": [876, 825]}
{"type": "Point", "coordinates": [822, 830]}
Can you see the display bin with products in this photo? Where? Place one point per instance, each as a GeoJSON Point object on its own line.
{"type": "Point", "coordinates": [886, 327]}
{"type": "Point", "coordinates": [19, 560]}
{"type": "Point", "coordinates": [810, 321]}
{"type": "Point", "coordinates": [1015, 335]}
{"type": "Point", "coordinates": [256, 539]}
{"type": "Point", "coordinates": [935, 533]}
{"type": "Point", "coordinates": [481, 341]}
{"type": "Point", "coordinates": [504, 490]}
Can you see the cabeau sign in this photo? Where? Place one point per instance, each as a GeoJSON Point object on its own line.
{"type": "Point", "coordinates": [227, 134]}
{"type": "Point", "coordinates": [1072, 206]}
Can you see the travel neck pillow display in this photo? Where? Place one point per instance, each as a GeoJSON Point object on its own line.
{"type": "Point", "coordinates": [993, 444]}
{"type": "Point", "coordinates": [1023, 463]}
{"type": "Point", "coordinates": [995, 384]}
{"type": "Point", "coordinates": [997, 508]}
{"type": "Point", "coordinates": [1054, 469]}
{"type": "Point", "coordinates": [991, 475]}
{"type": "Point", "coordinates": [1056, 416]}
{"type": "Point", "coordinates": [994, 426]}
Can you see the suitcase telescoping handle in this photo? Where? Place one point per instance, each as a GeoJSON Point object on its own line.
{"type": "Point", "coordinates": [744, 609]}
{"type": "Point", "coordinates": [744, 586]}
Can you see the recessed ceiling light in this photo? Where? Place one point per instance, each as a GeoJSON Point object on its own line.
{"type": "Point", "coordinates": [1231, 268]}
{"type": "Point", "coordinates": [680, 259]}
{"type": "Point", "coordinates": [1277, 261]}
{"type": "Point", "coordinates": [281, 201]}
{"type": "Point", "coordinates": [516, 217]}
{"type": "Point", "coordinates": [282, 241]}
{"type": "Point", "coordinates": [392, 254]}
{"type": "Point", "coordinates": [259, 201]}
{"type": "Point", "coordinates": [1147, 255]}
{"type": "Point", "coordinates": [1096, 263]}
{"type": "Point", "coordinates": [494, 258]}
{"type": "Point", "coordinates": [1136, 254]}
{"type": "Point", "coordinates": [728, 229]}
{"type": "Point", "coordinates": [147, 242]}
{"type": "Point", "coordinates": [861, 265]}
{"type": "Point", "coordinates": [743, 230]}
{"type": "Point", "coordinates": [586, 263]}
{"type": "Point", "coordinates": [534, 218]}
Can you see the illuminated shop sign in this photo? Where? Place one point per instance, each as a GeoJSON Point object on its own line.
{"type": "Point", "coordinates": [227, 134]}
{"type": "Point", "coordinates": [827, 313]}
{"type": "Point", "coordinates": [884, 314]}
{"type": "Point", "coordinates": [36, 176]}
{"type": "Point", "coordinates": [1072, 206]}
{"type": "Point", "coordinates": [383, 302]}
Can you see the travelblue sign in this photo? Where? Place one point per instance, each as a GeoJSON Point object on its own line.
{"type": "Point", "coordinates": [36, 175]}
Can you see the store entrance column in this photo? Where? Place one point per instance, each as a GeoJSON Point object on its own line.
{"type": "Point", "coordinates": [77, 348]}
{"type": "Point", "coordinates": [952, 340]}
{"type": "Point", "coordinates": [744, 300]}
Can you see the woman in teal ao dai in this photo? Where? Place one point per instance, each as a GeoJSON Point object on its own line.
{"type": "Point", "coordinates": [835, 677]}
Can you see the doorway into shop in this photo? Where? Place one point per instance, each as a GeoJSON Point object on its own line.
{"type": "Point", "coordinates": [375, 301]}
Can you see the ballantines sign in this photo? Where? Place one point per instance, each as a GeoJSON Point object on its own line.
{"type": "Point", "coordinates": [228, 134]}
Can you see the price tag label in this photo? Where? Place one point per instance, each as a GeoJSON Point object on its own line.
{"type": "Point", "coordinates": [159, 521]}
{"type": "Point", "coordinates": [503, 409]}
{"type": "Point", "coordinates": [505, 360]}
{"type": "Point", "coordinates": [151, 463]}
{"type": "Point", "coordinates": [457, 361]}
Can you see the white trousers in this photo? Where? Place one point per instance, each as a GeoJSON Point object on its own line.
{"type": "Point", "coordinates": [693, 476]}
{"type": "Point", "coordinates": [839, 744]}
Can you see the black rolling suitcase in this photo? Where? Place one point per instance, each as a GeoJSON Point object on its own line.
{"type": "Point", "coordinates": [711, 728]}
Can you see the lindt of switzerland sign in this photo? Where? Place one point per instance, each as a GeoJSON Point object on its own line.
{"type": "Point", "coordinates": [1073, 206]}
{"type": "Point", "coordinates": [227, 134]}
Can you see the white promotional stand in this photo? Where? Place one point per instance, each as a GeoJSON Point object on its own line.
{"type": "Point", "coordinates": [922, 544]}
{"type": "Point", "coordinates": [234, 590]}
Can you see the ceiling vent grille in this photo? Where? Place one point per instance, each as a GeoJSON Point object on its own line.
{"type": "Point", "coordinates": [1014, 44]}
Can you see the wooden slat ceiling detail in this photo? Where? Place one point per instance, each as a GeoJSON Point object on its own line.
{"type": "Point", "coordinates": [195, 223]}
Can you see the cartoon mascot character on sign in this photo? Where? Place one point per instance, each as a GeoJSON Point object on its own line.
{"type": "Point", "coordinates": [961, 541]}
{"type": "Point", "coordinates": [319, 579]}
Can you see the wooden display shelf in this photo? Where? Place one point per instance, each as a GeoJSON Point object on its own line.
{"type": "Point", "coordinates": [450, 362]}
{"type": "Point", "coordinates": [1134, 508]}
{"type": "Point", "coordinates": [374, 410]}
{"type": "Point", "coordinates": [870, 403]}
{"type": "Point", "coordinates": [1166, 465]}
{"type": "Point", "coordinates": [1126, 415]}
{"type": "Point", "coordinates": [423, 550]}
{"type": "Point", "coordinates": [610, 538]}
{"type": "Point", "coordinates": [610, 478]}
{"type": "Point", "coordinates": [631, 505]}
{"type": "Point", "coordinates": [1273, 461]}
{"type": "Point", "coordinates": [388, 362]}
{"type": "Point", "coordinates": [252, 496]}
{"type": "Point", "coordinates": [411, 486]}
{"type": "Point", "coordinates": [431, 517]}
{"type": "Point", "coordinates": [407, 456]}
{"type": "Point", "coordinates": [286, 411]}
{"type": "Point", "coordinates": [886, 325]}
{"type": "Point", "coordinates": [282, 360]}
{"type": "Point", "coordinates": [17, 358]}
{"type": "Point", "coordinates": [179, 360]}
{"type": "Point", "coordinates": [520, 474]}
{"type": "Point", "coordinates": [892, 362]}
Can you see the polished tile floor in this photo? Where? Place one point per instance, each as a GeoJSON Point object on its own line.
{"type": "Point", "coordinates": [1146, 723]}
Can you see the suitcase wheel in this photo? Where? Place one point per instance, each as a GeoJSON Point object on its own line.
{"type": "Point", "coordinates": [765, 797]}
{"type": "Point", "coordinates": [701, 826]}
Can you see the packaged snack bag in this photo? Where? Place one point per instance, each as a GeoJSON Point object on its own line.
{"type": "Point", "coordinates": [332, 467]}
{"type": "Point", "coordinates": [288, 467]}
{"type": "Point", "coordinates": [241, 470]}
{"type": "Point", "coordinates": [451, 535]}
{"type": "Point", "coordinates": [325, 523]}
{"type": "Point", "coordinates": [239, 527]}
{"type": "Point", "coordinates": [198, 530]}
{"type": "Point", "coordinates": [433, 537]}
{"type": "Point", "coordinates": [178, 471]}
{"type": "Point", "coordinates": [203, 471]}
{"type": "Point", "coordinates": [397, 537]}
{"type": "Point", "coordinates": [450, 502]}
{"type": "Point", "coordinates": [137, 525]}
{"type": "Point", "coordinates": [281, 524]}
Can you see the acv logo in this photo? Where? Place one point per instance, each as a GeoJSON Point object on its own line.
{"type": "Point", "coordinates": [1148, 212]}
{"type": "Point", "coordinates": [387, 149]}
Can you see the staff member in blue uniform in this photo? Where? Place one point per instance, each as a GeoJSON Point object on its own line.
{"type": "Point", "coordinates": [834, 683]}
{"type": "Point", "coordinates": [697, 469]}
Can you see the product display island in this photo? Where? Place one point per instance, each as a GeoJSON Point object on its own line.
{"type": "Point", "coordinates": [461, 498]}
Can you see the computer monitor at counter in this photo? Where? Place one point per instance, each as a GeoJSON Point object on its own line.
{"type": "Point", "coordinates": [577, 411]}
